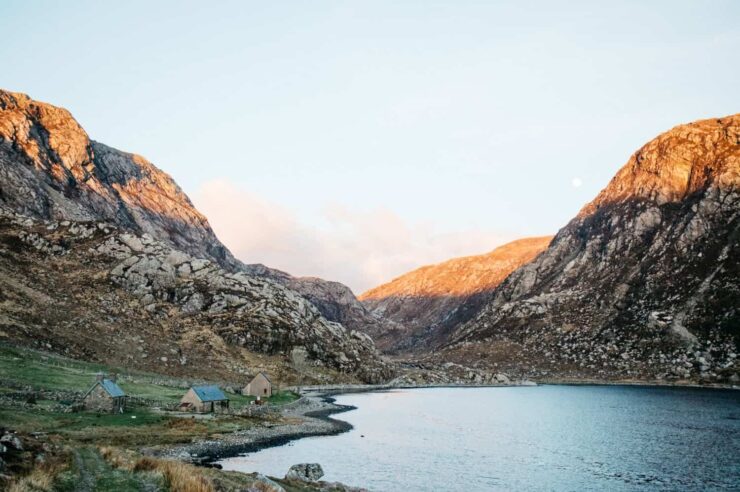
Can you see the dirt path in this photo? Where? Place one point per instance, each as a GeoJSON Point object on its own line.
{"type": "Point", "coordinates": [87, 476]}
{"type": "Point", "coordinates": [97, 475]}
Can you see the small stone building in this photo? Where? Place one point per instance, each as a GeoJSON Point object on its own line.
{"type": "Point", "coordinates": [105, 395]}
{"type": "Point", "coordinates": [259, 386]}
{"type": "Point", "coordinates": [204, 399]}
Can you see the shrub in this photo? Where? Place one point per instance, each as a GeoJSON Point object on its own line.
{"type": "Point", "coordinates": [180, 477]}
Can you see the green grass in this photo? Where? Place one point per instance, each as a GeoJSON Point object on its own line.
{"type": "Point", "coordinates": [283, 397]}
{"type": "Point", "coordinates": [147, 428]}
{"type": "Point", "coordinates": [32, 368]}
{"type": "Point", "coordinates": [46, 371]}
{"type": "Point", "coordinates": [39, 420]}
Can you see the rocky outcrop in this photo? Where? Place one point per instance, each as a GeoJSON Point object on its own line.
{"type": "Point", "coordinates": [50, 169]}
{"type": "Point", "coordinates": [643, 283]}
{"type": "Point", "coordinates": [307, 472]}
{"type": "Point", "coordinates": [430, 301]}
{"type": "Point", "coordinates": [336, 302]}
{"type": "Point", "coordinates": [133, 287]}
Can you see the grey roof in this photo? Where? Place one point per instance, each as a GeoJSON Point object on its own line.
{"type": "Point", "coordinates": [109, 386]}
{"type": "Point", "coordinates": [209, 393]}
{"type": "Point", "coordinates": [112, 388]}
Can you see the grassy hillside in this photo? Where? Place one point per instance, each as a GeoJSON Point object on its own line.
{"type": "Point", "coordinates": [42, 371]}
{"type": "Point", "coordinates": [36, 390]}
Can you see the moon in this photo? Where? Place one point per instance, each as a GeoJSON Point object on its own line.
{"type": "Point", "coordinates": [576, 182]}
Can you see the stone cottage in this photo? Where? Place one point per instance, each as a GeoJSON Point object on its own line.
{"type": "Point", "coordinates": [259, 386]}
{"type": "Point", "coordinates": [105, 395]}
{"type": "Point", "coordinates": [204, 399]}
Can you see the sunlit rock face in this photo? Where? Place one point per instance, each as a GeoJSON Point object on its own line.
{"type": "Point", "coordinates": [429, 301]}
{"type": "Point", "coordinates": [644, 282]}
{"type": "Point", "coordinates": [50, 169]}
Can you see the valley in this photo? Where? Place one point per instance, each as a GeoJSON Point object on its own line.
{"type": "Point", "coordinates": [106, 266]}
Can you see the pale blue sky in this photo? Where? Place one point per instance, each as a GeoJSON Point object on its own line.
{"type": "Point", "coordinates": [458, 119]}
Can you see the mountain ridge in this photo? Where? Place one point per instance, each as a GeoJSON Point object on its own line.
{"type": "Point", "coordinates": [643, 282]}
{"type": "Point", "coordinates": [430, 300]}
{"type": "Point", "coordinates": [66, 175]}
{"type": "Point", "coordinates": [54, 173]}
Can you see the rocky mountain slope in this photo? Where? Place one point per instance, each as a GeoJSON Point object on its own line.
{"type": "Point", "coordinates": [433, 299]}
{"type": "Point", "coordinates": [336, 302]}
{"type": "Point", "coordinates": [92, 291]}
{"type": "Point", "coordinates": [644, 283]}
{"type": "Point", "coordinates": [50, 169]}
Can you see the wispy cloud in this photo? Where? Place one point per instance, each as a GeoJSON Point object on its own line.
{"type": "Point", "coordinates": [359, 248]}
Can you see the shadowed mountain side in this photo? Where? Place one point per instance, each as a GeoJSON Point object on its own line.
{"type": "Point", "coordinates": [447, 312]}
{"type": "Point", "coordinates": [643, 283]}
{"type": "Point", "coordinates": [335, 301]}
{"type": "Point", "coordinates": [430, 301]}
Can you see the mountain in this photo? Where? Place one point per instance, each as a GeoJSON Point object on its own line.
{"type": "Point", "coordinates": [93, 291]}
{"type": "Point", "coordinates": [102, 253]}
{"type": "Point", "coordinates": [336, 302]}
{"type": "Point", "coordinates": [66, 175]}
{"type": "Point", "coordinates": [643, 283]}
{"type": "Point", "coordinates": [50, 169]}
{"type": "Point", "coordinates": [433, 299]}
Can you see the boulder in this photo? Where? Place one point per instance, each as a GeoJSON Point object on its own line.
{"type": "Point", "coordinates": [12, 441]}
{"type": "Point", "coordinates": [307, 472]}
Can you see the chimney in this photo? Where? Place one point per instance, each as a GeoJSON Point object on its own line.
{"type": "Point", "coordinates": [113, 377]}
{"type": "Point", "coordinates": [99, 377]}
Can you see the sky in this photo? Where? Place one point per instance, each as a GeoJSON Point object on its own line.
{"type": "Point", "coordinates": [355, 141]}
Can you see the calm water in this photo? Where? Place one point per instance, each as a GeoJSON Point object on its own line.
{"type": "Point", "coordinates": [529, 438]}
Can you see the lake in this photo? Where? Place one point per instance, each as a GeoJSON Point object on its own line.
{"type": "Point", "coordinates": [526, 438]}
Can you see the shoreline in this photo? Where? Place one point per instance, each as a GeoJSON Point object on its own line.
{"type": "Point", "coordinates": [316, 407]}
{"type": "Point", "coordinates": [330, 390]}
{"type": "Point", "coordinates": [314, 412]}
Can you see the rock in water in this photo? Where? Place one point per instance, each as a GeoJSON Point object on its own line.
{"type": "Point", "coordinates": [308, 472]}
